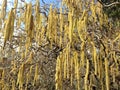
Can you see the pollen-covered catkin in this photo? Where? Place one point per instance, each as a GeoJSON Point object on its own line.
{"type": "Point", "coordinates": [107, 74]}
{"type": "Point", "coordinates": [9, 27]}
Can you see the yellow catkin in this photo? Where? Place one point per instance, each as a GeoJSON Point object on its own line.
{"type": "Point", "coordinates": [106, 20]}
{"type": "Point", "coordinates": [94, 57]}
{"type": "Point", "coordinates": [101, 20]}
{"type": "Point", "coordinates": [28, 75]}
{"type": "Point", "coordinates": [50, 16]}
{"type": "Point", "coordinates": [37, 10]}
{"type": "Point", "coordinates": [42, 33]}
{"type": "Point", "coordinates": [15, 5]}
{"type": "Point", "coordinates": [86, 75]}
{"type": "Point", "coordinates": [14, 67]}
{"type": "Point", "coordinates": [99, 8]}
{"type": "Point", "coordinates": [107, 74]}
{"type": "Point", "coordinates": [93, 9]}
{"type": "Point", "coordinates": [71, 75]}
{"type": "Point", "coordinates": [31, 67]}
{"type": "Point", "coordinates": [22, 55]}
{"type": "Point", "coordinates": [55, 36]}
{"type": "Point", "coordinates": [58, 74]}
{"type": "Point", "coordinates": [91, 82]}
{"type": "Point", "coordinates": [75, 62]}
{"type": "Point", "coordinates": [115, 59]}
{"type": "Point", "coordinates": [12, 25]}
{"type": "Point", "coordinates": [65, 64]}
{"type": "Point", "coordinates": [61, 26]}
{"type": "Point", "coordinates": [30, 59]}
{"type": "Point", "coordinates": [77, 70]}
{"type": "Point", "coordinates": [29, 24]}
{"type": "Point", "coordinates": [83, 15]}
{"type": "Point", "coordinates": [65, 38]}
{"type": "Point", "coordinates": [61, 69]}
{"type": "Point", "coordinates": [74, 67]}
{"type": "Point", "coordinates": [20, 78]}
{"type": "Point", "coordinates": [67, 60]}
{"type": "Point", "coordinates": [70, 25]}
{"type": "Point", "coordinates": [13, 85]}
{"type": "Point", "coordinates": [112, 70]}
{"type": "Point", "coordinates": [38, 18]}
{"type": "Point", "coordinates": [101, 70]}
{"type": "Point", "coordinates": [27, 78]}
{"type": "Point", "coordinates": [27, 45]}
{"type": "Point", "coordinates": [3, 74]}
{"type": "Point", "coordinates": [3, 9]}
{"type": "Point", "coordinates": [9, 27]}
{"type": "Point", "coordinates": [36, 75]}
{"type": "Point", "coordinates": [82, 54]}
{"type": "Point", "coordinates": [81, 25]}
{"type": "Point", "coordinates": [24, 15]}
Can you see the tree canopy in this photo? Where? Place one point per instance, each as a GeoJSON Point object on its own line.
{"type": "Point", "coordinates": [73, 45]}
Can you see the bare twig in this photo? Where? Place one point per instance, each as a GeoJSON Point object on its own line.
{"type": "Point", "coordinates": [109, 5]}
{"type": "Point", "coordinates": [43, 1]}
{"type": "Point", "coordinates": [112, 4]}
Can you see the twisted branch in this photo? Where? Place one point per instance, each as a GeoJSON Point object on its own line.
{"type": "Point", "coordinates": [108, 5]}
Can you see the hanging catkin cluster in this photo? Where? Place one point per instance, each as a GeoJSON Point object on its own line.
{"type": "Point", "coordinates": [69, 59]}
